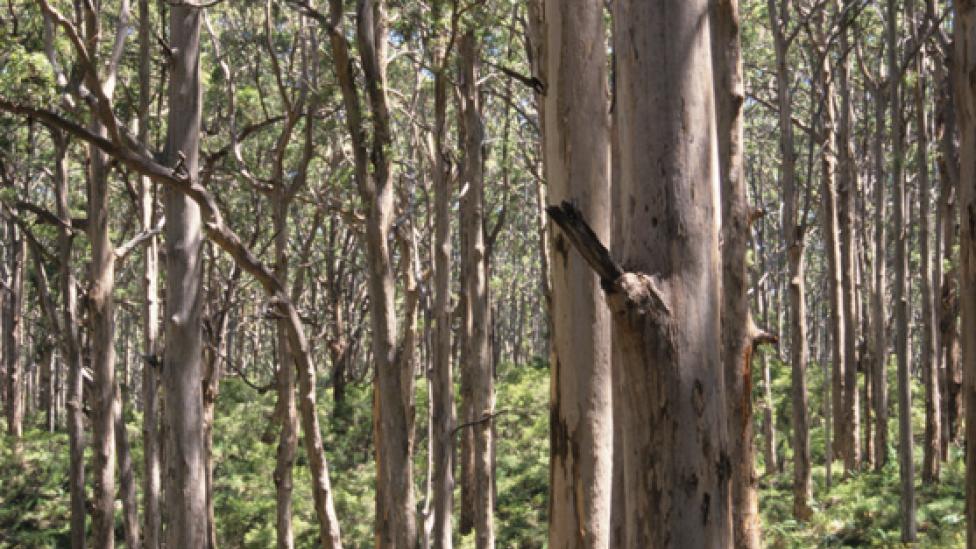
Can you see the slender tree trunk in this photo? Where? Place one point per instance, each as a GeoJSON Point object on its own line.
{"type": "Point", "coordinates": [13, 331]}
{"type": "Point", "coordinates": [288, 438]}
{"type": "Point", "coordinates": [151, 478]}
{"type": "Point", "coordinates": [577, 119]}
{"type": "Point", "coordinates": [186, 503]}
{"type": "Point", "coordinates": [676, 468]}
{"type": "Point", "coordinates": [793, 237]}
{"type": "Point", "coordinates": [477, 360]}
{"type": "Point", "coordinates": [74, 396]}
{"type": "Point", "coordinates": [965, 65]}
{"type": "Point", "coordinates": [846, 191]}
{"type": "Point", "coordinates": [900, 296]}
{"type": "Point", "coordinates": [127, 478]}
{"type": "Point", "coordinates": [930, 377]}
{"type": "Point", "coordinates": [442, 387]}
{"type": "Point", "coordinates": [101, 316]}
{"type": "Point", "coordinates": [832, 245]}
{"type": "Point", "coordinates": [392, 407]}
{"type": "Point", "coordinates": [879, 336]}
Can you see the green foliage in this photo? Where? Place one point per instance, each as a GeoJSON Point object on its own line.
{"type": "Point", "coordinates": [34, 499]}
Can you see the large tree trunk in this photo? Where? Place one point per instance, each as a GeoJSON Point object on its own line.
{"type": "Point", "coordinates": [793, 236]}
{"type": "Point", "coordinates": [667, 331]}
{"type": "Point", "coordinates": [581, 423]}
{"type": "Point", "coordinates": [182, 375]}
{"type": "Point", "coordinates": [476, 358]}
{"type": "Point", "coordinates": [737, 336]}
{"type": "Point", "coordinates": [906, 466]}
{"type": "Point", "coordinates": [965, 65]}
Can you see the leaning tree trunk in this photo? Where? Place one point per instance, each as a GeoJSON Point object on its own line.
{"type": "Point", "coordinates": [965, 65]}
{"type": "Point", "coordinates": [185, 482]}
{"type": "Point", "coordinates": [667, 335]}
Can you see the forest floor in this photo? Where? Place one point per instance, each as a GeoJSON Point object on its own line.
{"type": "Point", "coordinates": [858, 512]}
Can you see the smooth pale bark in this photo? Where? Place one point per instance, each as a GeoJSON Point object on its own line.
{"type": "Point", "coordinates": [737, 330]}
{"type": "Point", "coordinates": [667, 332]}
{"type": "Point", "coordinates": [930, 374]}
{"type": "Point", "coordinates": [577, 161]}
{"type": "Point", "coordinates": [906, 467]}
{"type": "Point", "coordinates": [965, 88]}
{"type": "Point", "coordinates": [793, 237]}
{"type": "Point", "coordinates": [476, 359]}
{"type": "Point", "coordinates": [185, 475]}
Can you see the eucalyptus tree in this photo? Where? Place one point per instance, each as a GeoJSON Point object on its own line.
{"type": "Point", "coordinates": [576, 118]}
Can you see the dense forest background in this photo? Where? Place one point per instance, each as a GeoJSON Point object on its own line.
{"type": "Point", "coordinates": [281, 273]}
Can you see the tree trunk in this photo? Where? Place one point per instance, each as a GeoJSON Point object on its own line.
{"type": "Point", "coordinates": [151, 478]}
{"type": "Point", "coordinates": [964, 66]}
{"type": "Point", "coordinates": [127, 479]}
{"type": "Point", "coordinates": [846, 191]}
{"type": "Point", "coordinates": [737, 333]}
{"type": "Point", "coordinates": [930, 373]}
{"type": "Point", "coordinates": [288, 438]}
{"type": "Point", "coordinates": [186, 503]}
{"type": "Point", "coordinates": [667, 334]}
{"type": "Point", "coordinates": [879, 336]}
{"type": "Point", "coordinates": [13, 331]}
{"type": "Point", "coordinates": [831, 237]}
{"type": "Point", "coordinates": [581, 429]}
{"type": "Point", "coordinates": [74, 396]}
{"type": "Point", "coordinates": [906, 467]}
{"type": "Point", "coordinates": [793, 236]}
{"type": "Point", "coordinates": [442, 386]}
{"type": "Point", "coordinates": [477, 358]}
{"type": "Point", "coordinates": [101, 317]}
